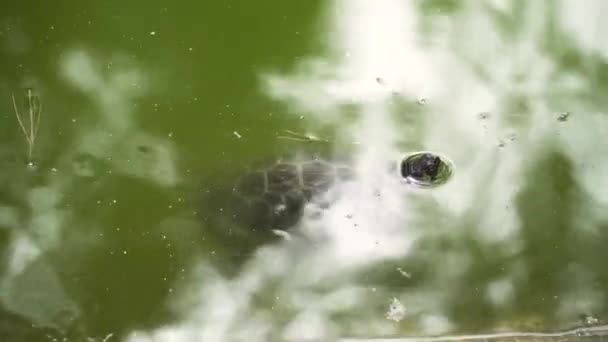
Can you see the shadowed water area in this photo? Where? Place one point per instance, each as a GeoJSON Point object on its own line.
{"type": "Point", "coordinates": [231, 171]}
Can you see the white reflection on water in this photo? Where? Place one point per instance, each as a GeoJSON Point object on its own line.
{"type": "Point", "coordinates": [467, 68]}
{"type": "Point", "coordinates": [114, 135]}
{"type": "Point", "coordinates": [110, 135]}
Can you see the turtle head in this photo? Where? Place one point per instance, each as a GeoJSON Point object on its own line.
{"type": "Point", "coordinates": [422, 167]}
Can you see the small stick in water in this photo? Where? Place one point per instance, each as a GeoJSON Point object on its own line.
{"type": "Point", "coordinates": [30, 131]}
{"type": "Point", "coordinates": [295, 136]}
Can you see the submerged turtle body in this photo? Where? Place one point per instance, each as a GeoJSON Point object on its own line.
{"type": "Point", "coordinates": [274, 197]}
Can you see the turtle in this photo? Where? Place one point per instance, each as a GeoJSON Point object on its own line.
{"type": "Point", "coordinates": [272, 197]}
{"type": "Point", "coordinates": [275, 196]}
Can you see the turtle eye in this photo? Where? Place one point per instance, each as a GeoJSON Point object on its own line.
{"type": "Point", "coordinates": [434, 168]}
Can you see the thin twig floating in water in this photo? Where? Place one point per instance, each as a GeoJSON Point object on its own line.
{"type": "Point", "coordinates": [295, 136]}
{"type": "Point", "coordinates": [30, 131]}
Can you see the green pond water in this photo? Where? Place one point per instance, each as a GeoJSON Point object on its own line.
{"type": "Point", "coordinates": [114, 227]}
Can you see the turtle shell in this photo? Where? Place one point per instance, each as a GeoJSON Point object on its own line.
{"type": "Point", "coordinates": [274, 197]}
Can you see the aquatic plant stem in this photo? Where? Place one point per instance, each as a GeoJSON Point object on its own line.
{"type": "Point", "coordinates": [34, 111]}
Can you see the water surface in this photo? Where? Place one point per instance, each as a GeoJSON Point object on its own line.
{"type": "Point", "coordinates": [147, 108]}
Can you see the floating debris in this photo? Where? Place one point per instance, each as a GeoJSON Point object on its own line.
{"type": "Point", "coordinates": [236, 134]}
{"type": "Point", "coordinates": [404, 273]}
{"type": "Point", "coordinates": [563, 117]}
{"type": "Point", "coordinates": [422, 101]}
{"type": "Point", "coordinates": [396, 310]}
{"type": "Point", "coordinates": [380, 81]}
{"type": "Point", "coordinates": [483, 115]}
{"type": "Point", "coordinates": [307, 137]}
{"type": "Point", "coordinates": [510, 137]}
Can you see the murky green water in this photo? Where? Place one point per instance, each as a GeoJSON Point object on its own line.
{"type": "Point", "coordinates": [149, 111]}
